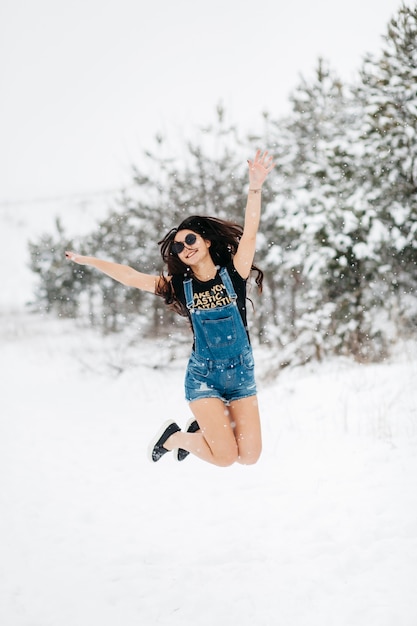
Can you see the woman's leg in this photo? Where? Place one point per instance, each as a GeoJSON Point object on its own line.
{"type": "Point", "coordinates": [245, 418]}
{"type": "Point", "coordinates": [215, 442]}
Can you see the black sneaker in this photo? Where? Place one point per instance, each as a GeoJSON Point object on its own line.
{"type": "Point", "coordinates": [156, 448]}
{"type": "Point", "coordinates": [192, 427]}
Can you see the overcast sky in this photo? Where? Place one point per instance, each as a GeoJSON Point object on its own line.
{"type": "Point", "coordinates": [86, 84]}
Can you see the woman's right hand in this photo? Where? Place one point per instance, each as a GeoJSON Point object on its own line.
{"type": "Point", "coordinates": [77, 258]}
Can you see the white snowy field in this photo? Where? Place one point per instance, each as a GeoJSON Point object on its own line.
{"type": "Point", "coordinates": [321, 532]}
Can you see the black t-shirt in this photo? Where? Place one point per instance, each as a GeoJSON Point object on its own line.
{"type": "Point", "coordinates": [211, 294]}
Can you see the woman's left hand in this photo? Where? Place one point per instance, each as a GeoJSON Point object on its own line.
{"type": "Point", "coordinates": [259, 169]}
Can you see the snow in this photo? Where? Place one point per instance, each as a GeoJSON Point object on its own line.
{"type": "Point", "coordinates": [322, 531]}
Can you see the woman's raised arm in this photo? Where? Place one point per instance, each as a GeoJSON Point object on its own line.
{"type": "Point", "coordinates": [122, 273]}
{"type": "Point", "coordinates": [259, 169]}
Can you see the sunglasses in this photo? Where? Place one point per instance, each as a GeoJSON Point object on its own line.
{"type": "Point", "coordinates": [178, 246]}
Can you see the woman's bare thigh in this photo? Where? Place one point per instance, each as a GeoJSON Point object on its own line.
{"type": "Point", "coordinates": [213, 418]}
{"type": "Point", "coordinates": [246, 422]}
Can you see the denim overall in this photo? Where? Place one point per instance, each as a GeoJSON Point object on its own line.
{"type": "Point", "coordinates": [221, 365]}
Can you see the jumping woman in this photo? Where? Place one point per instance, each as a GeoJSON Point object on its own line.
{"type": "Point", "coordinates": [209, 261]}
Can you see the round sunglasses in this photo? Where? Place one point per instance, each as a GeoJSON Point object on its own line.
{"type": "Point", "coordinates": [178, 246]}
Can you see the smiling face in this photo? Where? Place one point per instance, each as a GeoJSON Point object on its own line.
{"type": "Point", "coordinates": [192, 253]}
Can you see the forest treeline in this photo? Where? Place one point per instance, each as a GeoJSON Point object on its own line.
{"type": "Point", "coordinates": [337, 242]}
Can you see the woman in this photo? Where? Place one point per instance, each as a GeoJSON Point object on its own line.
{"type": "Point", "coordinates": [209, 261]}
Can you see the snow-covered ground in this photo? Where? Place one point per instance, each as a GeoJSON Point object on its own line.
{"type": "Point", "coordinates": [321, 532]}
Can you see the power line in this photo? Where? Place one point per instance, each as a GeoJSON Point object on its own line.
{"type": "Point", "coordinates": [63, 197]}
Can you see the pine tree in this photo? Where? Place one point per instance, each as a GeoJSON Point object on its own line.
{"type": "Point", "coordinates": [59, 284]}
{"type": "Point", "coordinates": [388, 90]}
{"type": "Point", "coordinates": [317, 223]}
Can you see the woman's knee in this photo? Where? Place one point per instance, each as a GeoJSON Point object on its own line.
{"type": "Point", "coordinates": [226, 456]}
{"type": "Point", "coordinates": [249, 456]}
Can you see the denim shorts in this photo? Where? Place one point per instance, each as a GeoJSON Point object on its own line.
{"type": "Point", "coordinates": [228, 380]}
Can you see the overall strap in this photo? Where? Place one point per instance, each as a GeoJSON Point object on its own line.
{"type": "Point", "coordinates": [227, 281]}
{"type": "Point", "coordinates": [188, 292]}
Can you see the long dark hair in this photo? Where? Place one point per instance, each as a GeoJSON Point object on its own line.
{"type": "Point", "coordinates": [224, 237]}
